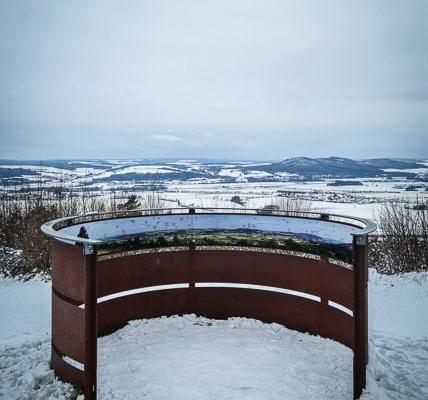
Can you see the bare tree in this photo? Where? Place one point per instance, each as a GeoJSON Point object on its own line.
{"type": "Point", "coordinates": [152, 201]}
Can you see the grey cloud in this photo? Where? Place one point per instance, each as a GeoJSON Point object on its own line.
{"type": "Point", "coordinates": [209, 76]}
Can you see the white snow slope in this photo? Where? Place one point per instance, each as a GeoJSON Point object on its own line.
{"type": "Point", "coordinates": [196, 358]}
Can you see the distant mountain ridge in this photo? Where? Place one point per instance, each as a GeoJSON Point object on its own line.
{"type": "Point", "coordinates": [164, 170]}
{"type": "Point", "coordinates": [339, 167]}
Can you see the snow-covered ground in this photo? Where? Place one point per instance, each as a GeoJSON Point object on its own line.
{"type": "Point", "coordinates": [363, 201]}
{"type": "Point", "coordinates": [196, 358]}
{"type": "Point", "coordinates": [214, 185]}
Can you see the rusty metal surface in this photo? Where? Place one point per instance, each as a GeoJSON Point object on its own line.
{"type": "Point", "coordinates": [68, 328]}
{"type": "Point", "coordinates": [115, 313]}
{"type": "Point", "coordinates": [294, 312]}
{"type": "Point", "coordinates": [65, 371]}
{"type": "Point", "coordinates": [307, 275]}
{"type": "Point", "coordinates": [90, 361]}
{"type": "Point", "coordinates": [68, 270]}
{"type": "Point", "coordinates": [135, 271]}
{"type": "Point", "coordinates": [361, 315]}
{"type": "Point", "coordinates": [316, 277]}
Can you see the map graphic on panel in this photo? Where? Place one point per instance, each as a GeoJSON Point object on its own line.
{"type": "Point", "coordinates": [273, 232]}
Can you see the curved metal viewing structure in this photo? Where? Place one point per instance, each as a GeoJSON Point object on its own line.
{"type": "Point", "coordinates": [306, 271]}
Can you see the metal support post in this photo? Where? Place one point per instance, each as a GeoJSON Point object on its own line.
{"type": "Point", "coordinates": [90, 371]}
{"type": "Point", "coordinates": [360, 249]}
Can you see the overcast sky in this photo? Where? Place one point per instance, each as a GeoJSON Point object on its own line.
{"type": "Point", "coordinates": [241, 79]}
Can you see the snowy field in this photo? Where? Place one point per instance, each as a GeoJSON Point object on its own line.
{"type": "Point", "coordinates": [213, 190]}
{"type": "Point", "coordinates": [195, 358]}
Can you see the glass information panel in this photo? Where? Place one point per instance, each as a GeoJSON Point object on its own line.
{"type": "Point", "coordinates": [280, 232]}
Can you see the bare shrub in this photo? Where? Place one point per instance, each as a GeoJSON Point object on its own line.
{"type": "Point", "coordinates": [402, 243]}
{"type": "Point", "coordinates": [152, 201]}
{"type": "Point", "coordinates": [292, 202]}
{"type": "Point", "coordinates": [21, 215]}
{"type": "Point", "coordinates": [20, 223]}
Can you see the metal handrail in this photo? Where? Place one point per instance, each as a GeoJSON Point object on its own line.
{"type": "Point", "coordinates": [53, 228]}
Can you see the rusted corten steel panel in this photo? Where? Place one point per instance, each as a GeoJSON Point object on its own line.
{"type": "Point", "coordinates": [316, 277]}
{"type": "Point", "coordinates": [65, 371]}
{"type": "Point", "coordinates": [114, 314]}
{"type": "Point", "coordinates": [294, 312]}
{"type": "Point", "coordinates": [328, 281]}
{"type": "Point", "coordinates": [68, 270]}
{"type": "Point", "coordinates": [297, 313]}
{"type": "Point", "coordinates": [68, 328]}
{"type": "Point", "coordinates": [141, 270]}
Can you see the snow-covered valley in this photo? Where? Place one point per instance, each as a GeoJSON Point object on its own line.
{"type": "Point", "coordinates": [331, 185]}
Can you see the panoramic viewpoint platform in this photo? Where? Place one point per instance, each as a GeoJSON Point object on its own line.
{"type": "Point", "coordinates": [304, 270]}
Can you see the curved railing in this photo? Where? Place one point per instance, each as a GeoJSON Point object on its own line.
{"type": "Point", "coordinates": [307, 271]}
